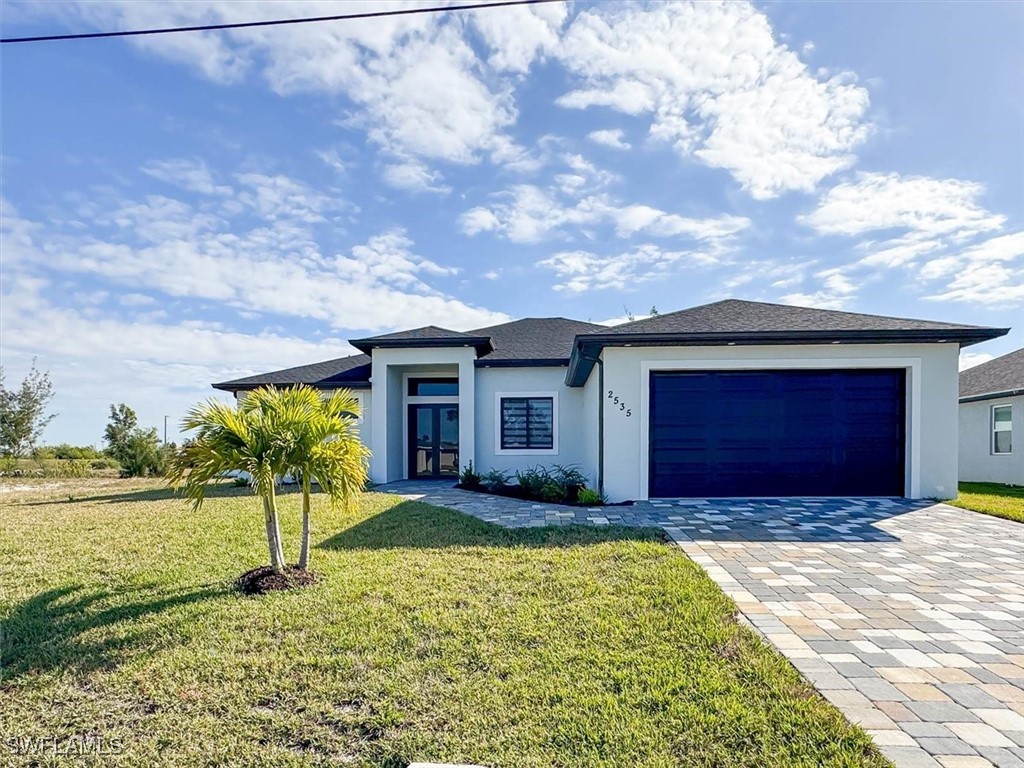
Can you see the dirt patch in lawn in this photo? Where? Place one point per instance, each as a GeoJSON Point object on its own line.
{"type": "Point", "coordinates": [264, 579]}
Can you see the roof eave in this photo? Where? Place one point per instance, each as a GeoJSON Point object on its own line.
{"type": "Point", "coordinates": [228, 386]}
{"type": "Point", "coordinates": [993, 395]}
{"type": "Point", "coordinates": [531, 362]}
{"type": "Point", "coordinates": [482, 344]}
{"type": "Point", "coordinates": [591, 344]}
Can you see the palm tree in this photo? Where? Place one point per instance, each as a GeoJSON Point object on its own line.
{"type": "Point", "coordinates": [271, 433]}
{"type": "Point", "coordinates": [229, 439]}
{"type": "Point", "coordinates": [324, 446]}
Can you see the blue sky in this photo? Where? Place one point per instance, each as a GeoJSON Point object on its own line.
{"type": "Point", "coordinates": [191, 208]}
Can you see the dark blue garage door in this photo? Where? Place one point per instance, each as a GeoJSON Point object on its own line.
{"type": "Point", "coordinates": [777, 433]}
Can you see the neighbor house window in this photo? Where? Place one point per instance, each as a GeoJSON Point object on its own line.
{"type": "Point", "coordinates": [1002, 429]}
{"type": "Point", "coordinates": [527, 423]}
{"type": "Point", "coordinates": [433, 387]}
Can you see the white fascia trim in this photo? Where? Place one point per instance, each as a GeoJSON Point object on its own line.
{"type": "Point", "coordinates": [552, 451]}
{"type": "Point", "coordinates": [912, 365]}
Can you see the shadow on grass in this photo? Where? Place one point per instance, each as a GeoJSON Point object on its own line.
{"type": "Point", "coordinates": [54, 629]}
{"type": "Point", "coordinates": [414, 524]}
{"type": "Point", "coordinates": [219, 490]}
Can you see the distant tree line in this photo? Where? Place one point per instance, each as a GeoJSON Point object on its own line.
{"type": "Point", "coordinates": [24, 414]}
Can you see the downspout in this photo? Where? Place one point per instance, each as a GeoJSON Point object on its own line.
{"type": "Point", "coordinates": [600, 418]}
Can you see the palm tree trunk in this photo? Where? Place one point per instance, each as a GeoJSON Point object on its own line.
{"type": "Point", "coordinates": [273, 532]}
{"type": "Point", "coordinates": [304, 549]}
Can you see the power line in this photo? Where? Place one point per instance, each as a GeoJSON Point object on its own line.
{"type": "Point", "coordinates": [275, 22]}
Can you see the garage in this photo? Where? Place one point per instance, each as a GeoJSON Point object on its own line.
{"type": "Point", "coordinates": [777, 433]}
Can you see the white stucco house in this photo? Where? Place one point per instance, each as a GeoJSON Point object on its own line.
{"type": "Point", "coordinates": [992, 421]}
{"type": "Point", "coordinates": [730, 399]}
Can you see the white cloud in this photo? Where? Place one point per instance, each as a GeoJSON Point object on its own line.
{"type": "Point", "coordinates": [930, 227]}
{"type": "Point", "coordinates": [718, 86]}
{"type": "Point", "coordinates": [416, 81]}
{"type": "Point", "coordinates": [477, 220]}
{"type": "Point", "coordinates": [533, 214]}
{"type": "Point", "coordinates": [713, 79]}
{"type": "Point", "coordinates": [158, 368]}
{"type": "Point", "coordinates": [921, 206]}
{"type": "Point", "coordinates": [191, 175]}
{"type": "Point", "coordinates": [583, 271]}
{"type": "Point", "coordinates": [414, 176]}
{"type": "Point", "coordinates": [990, 273]}
{"type": "Point", "coordinates": [280, 197]}
{"type": "Point", "coordinates": [575, 202]}
{"type": "Point", "coordinates": [625, 96]}
{"type": "Point", "coordinates": [609, 138]}
{"type": "Point", "coordinates": [837, 292]}
{"type": "Point", "coordinates": [277, 267]}
{"type": "Point", "coordinates": [519, 36]}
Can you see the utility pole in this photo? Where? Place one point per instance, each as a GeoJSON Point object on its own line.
{"type": "Point", "coordinates": [165, 430]}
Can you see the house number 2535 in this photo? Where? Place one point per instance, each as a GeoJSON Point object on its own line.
{"type": "Point", "coordinates": [622, 406]}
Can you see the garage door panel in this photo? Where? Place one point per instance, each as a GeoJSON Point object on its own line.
{"type": "Point", "coordinates": [777, 433]}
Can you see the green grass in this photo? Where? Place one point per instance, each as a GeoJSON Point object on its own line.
{"type": "Point", "coordinates": [432, 636]}
{"type": "Point", "coordinates": [992, 499]}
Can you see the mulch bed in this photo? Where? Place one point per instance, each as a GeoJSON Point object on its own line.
{"type": "Point", "coordinates": [261, 580]}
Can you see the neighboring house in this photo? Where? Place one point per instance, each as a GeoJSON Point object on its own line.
{"type": "Point", "coordinates": [735, 398]}
{"type": "Point", "coordinates": [992, 421]}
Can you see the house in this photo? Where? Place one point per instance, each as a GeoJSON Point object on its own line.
{"type": "Point", "coordinates": [734, 398]}
{"type": "Point", "coordinates": [992, 421]}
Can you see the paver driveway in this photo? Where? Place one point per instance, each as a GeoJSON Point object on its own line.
{"type": "Point", "coordinates": [909, 617]}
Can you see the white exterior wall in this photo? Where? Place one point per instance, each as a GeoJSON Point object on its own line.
{"type": "Point", "coordinates": [932, 394]}
{"type": "Point", "coordinates": [572, 426]}
{"type": "Point", "coordinates": [977, 462]}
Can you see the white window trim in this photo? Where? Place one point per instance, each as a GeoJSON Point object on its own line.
{"type": "Point", "coordinates": [552, 451]}
{"type": "Point", "coordinates": [912, 365]}
{"type": "Point", "coordinates": [992, 429]}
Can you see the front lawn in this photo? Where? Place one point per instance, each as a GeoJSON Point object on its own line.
{"type": "Point", "coordinates": [992, 499]}
{"type": "Point", "coordinates": [431, 636]}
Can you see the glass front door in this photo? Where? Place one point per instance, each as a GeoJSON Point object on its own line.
{"type": "Point", "coordinates": [433, 440]}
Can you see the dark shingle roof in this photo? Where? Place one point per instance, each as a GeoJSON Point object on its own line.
{"type": "Point", "coordinates": [426, 332]}
{"type": "Point", "coordinates": [547, 339]}
{"type": "Point", "coordinates": [1001, 377]}
{"type": "Point", "coordinates": [736, 316]}
{"type": "Point", "coordinates": [427, 336]}
{"type": "Point", "coordinates": [352, 371]}
{"type": "Point", "coordinates": [534, 340]}
{"type": "Point", "coordinates": [558, 340]}
{"type": "Point", "coordinates": [753, 322]}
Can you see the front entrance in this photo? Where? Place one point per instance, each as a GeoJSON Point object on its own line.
{"type": "Point", "coordinates": [433, 440]}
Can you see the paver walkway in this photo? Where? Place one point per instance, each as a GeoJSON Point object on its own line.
{"type": "Point", "coordinates": [908, 616]}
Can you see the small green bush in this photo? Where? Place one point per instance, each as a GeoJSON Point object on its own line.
{"type": "Point", "coordinates": [568, 476]}
{"type": "Point", "coordinates": [496, 479]}
{"type": "Point", "coordinates": [591, 497]}
{"type": "Point", "coordinates": [240, 482]}
{"type": "Point", "coordinates": [552, 492]}
{"type": "Point", "coordinates": [469, 477]}
{"type": "Point", "coordinates": [533, 480]}
{"type": "Point", "coordinates": [104, 463]}
{"type": "Point", "coordinates": [60, 468]}
{"type": "Point", "coordinates": [66, 451]}
{"type": "Point", "coordinates": [144, 455]}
